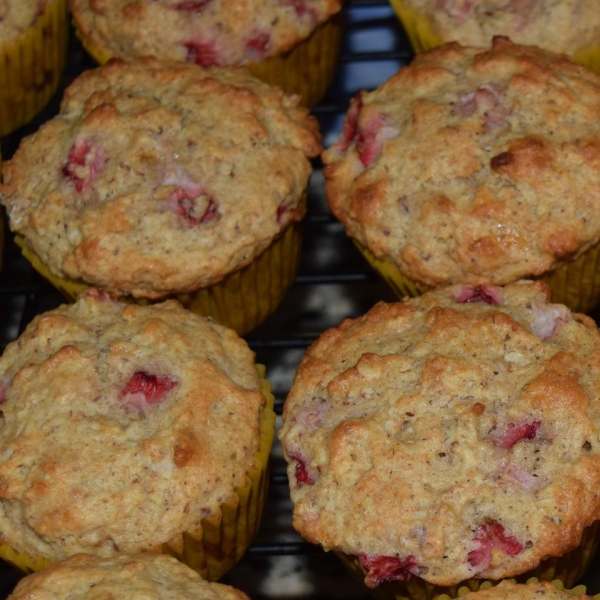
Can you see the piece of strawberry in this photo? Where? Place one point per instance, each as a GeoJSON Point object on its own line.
{"type": "Point", "coordinates": [387, 568]}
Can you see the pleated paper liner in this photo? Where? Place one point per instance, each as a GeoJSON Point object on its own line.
{"type": "Point", "coordinates": [240, 301]}
{"type": "Point", "coordinates": [307, 69]}
{"type": "Point", "coordinates": [575, 284]}
{"type": "Point", "coordinates": [568, 569]}
{"type": "Point", "coordinates": [424, 37]}
{"type": "Point", "coordinates": [31, 67]}
{"type": "Point", "coordinates": [578, 590]}
{"type": "Point", "coordinates": [224, 541]}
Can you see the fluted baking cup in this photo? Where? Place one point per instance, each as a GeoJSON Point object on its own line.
{"type": "Point", "coordinates": [568, 569]}
{"type": "Point", "coordinates": [575, 284]}
{"type": "Point", "coordinates": [308, 68]}
{"type": "Point", "coordinates": [223, 541]}
{"type": "Point", "coordinates": [240, 301]}
{"type": "Point", "coordinates": [421, 34]}
{"type": "Point", "coordinates": [31, 67]}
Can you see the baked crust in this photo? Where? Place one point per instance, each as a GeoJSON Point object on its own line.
{"type": "Point", "coordinates": [143, 577]}
{"type": "Point", "coordinates": [456, 438]}
{"type": "Point", "coordinates": [556, 25]}
{"type": "Point", "coordinates": [470, 165]}
{"type": "Point", "coordinates": [208, 32]}
{"type": "Point", "coordinates": [104, 442]}
{"type": "Point", "coordinates": [17, 17]}
{"type": "Point", "coordinates": [159, 178]}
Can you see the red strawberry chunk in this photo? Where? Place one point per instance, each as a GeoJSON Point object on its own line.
{"type": "Point", "coordinates": [508, 436]}
{"type": "Point", "coordinates": [191, 6]}
{"type": "Point", "coordinates": [367, 145]}
{"type": "Point", "coordinates": [186, 205]}
{"type": "Point", "coordinates": [485, 294]}
{"type": "Point", "coordinates": [299, 6]}
{"type": "Point", "coordinates": [202, 53]}
{"type": "Point", "coordinates": [146, 389]}
{"type": "Point", "coordinates": [301, 471]}
{"type": "Point", "coordinates": [364, 137]}
{"type": "Point", "coordinates": [83, 164]}
{"type": "Point", "coordinates": [259, 42]}
{"type": "Point", "coordinates": [2, 396]}
{"type": "Point", "coordinates": [488, 536]}
{"type": "Point", "coordinates": [350, 123]}
{"type": "Point", "coordinates": [387, 568]}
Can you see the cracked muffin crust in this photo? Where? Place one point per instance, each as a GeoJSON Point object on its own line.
{"type": "Point", "coordinates": [471, 165]}
{"type": "Point", "coordinates": [159, 178]}
{"type": "Point", "coordinates": [122, 427]}
{"type": "Point", "coordinates": [17, 16]}
{"type": "Point", "coordinates": [205, 32]}
{"type": "Point", "coordinates": [448, 437]}
{"type": "Point", "coordinates": [561, 26]}
{"type": "Point", "coordinates": [143, 577]}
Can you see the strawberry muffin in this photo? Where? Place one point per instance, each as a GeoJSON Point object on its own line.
{"type": "Point", "coordinates": [290, 43]}
{"type": "Point", "coordinates": [450, 438]}
{"type": "Point", "coordinates": [567, 26]}
{"type": "Point", "coordinates": [33, 47]}
{"type": "Point", "coordinates": [159, 179]}
{"type": "Point", "coordinates": [142, 577]}
{"type": "Point", "coordinates": [108, 404]}
{"type": "Point", "coordinates": [476, 166]}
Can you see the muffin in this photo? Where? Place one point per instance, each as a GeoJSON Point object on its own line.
{"type": "Point", "coordinates": [293, 43]}
{"type": "Point", "coordinates": [33, 46]}
{"type": "Point", "coordinates": [160, 179]}
{"type": "Point", "coordinates": [475, 166]}
{"type": "Point", "coordinates": [449, 439]}
{"type": "Point", "coordinates": [569, 27]}
{"type": "Point", "coordinates": [143, 577]}
{"type": "Point", "coordinates": [145, 429]}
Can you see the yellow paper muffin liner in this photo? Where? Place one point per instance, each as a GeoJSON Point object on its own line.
{"type": "Point", "coordinates": [224, 541]}
{"type": "Point", "coordinates": [578, 590]}
{"type": "Point", "coordinates": [240, 301]}
{"type": "Point", "coordinates": [575, 284]}
{"type": "Point", "coordinates": [424, 37]}
{"type": "Point", "coordinates": [568, 569]}
{"type": "Point", "coordinates": [307, 69]}
{"type": "Point", "coordinates": [31, 67]}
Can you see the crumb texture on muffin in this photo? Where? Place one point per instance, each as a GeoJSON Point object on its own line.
{"type": "Point", "coordinates": [159, 178]}
{"type": "Point", "coordinates": [142, 577]}
{"type": "Point", "coordinates": [473, 166]}
{"type": "Point", "coordinates": [451, 436]}
{"type": "Point", "coordinates": [205, 32]}
{"type": "Point", "coordinates": [556, 25]}
{"type": "Point", "coordinates": [122, 427]}
{"type": "Point", "coordinates": [16, 17]}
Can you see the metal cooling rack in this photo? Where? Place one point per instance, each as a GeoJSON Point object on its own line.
{"type": "Point", "coordinates": [333, 283]}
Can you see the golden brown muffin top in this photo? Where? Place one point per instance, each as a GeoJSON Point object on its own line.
{"type": "Point", "coordinates": [473, 166]}
{"type": "Point", "coordinates": [143, 577]}
{"type": "Point", "coordinates": [122, 427]}
{"type": "Point", "coordinates": [556, 25]}
{"type": "Point", "coordinates": [159, 178]}
{"type": "Point", "coordinates": [205, 32]}
{"type": "Point", "coordinates": [16, 16]}
{"type": "Point", "coordinates": [452, 436]}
